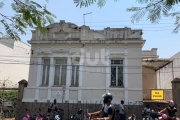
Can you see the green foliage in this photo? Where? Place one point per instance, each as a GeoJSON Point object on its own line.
{"type": "Point", "coordinates": [87, 3]}
{"type": "Point", "coordinates": [9, 95]}
{"type": "Point", "coordinates": [29, 14]}
{"type": "Point", "coordinates": [154, 10]}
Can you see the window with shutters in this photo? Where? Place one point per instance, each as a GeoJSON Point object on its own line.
{"type": "Point", "coordinates": [117, 73]}
{"type": "Point", "coordinates": [46, 70]}
{"type": "Point", "coordinates": [60, 71]}
{"type": "Point", "coordinates": [75, 72]}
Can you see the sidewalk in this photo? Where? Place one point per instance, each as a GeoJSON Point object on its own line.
{"type": "Point", "coordinates": [10, 119]}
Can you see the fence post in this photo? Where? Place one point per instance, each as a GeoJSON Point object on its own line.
{"type": "Point", "coordinates": [18, 110]}
{"type": "Point", "coordinates": [23, 83]}
{"type": "Point", "coordinates": [176, 93]}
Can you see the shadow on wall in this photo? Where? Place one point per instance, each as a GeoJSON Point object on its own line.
{"type": "Point", "coordinates": [7, 42]}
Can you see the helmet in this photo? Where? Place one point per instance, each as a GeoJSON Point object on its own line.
{"type": "Point", "coordinates": [171, 103]}
{"type": "Point", "coordinates": [107, 97]}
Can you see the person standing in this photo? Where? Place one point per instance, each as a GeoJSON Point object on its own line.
{"type": "Point", "coordinates": [121, 111]}
{"type": "Point", "coordinates": [53, 107]}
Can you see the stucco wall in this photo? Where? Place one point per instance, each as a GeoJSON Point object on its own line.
{"type": "Point", "coordinates": [149, 78]}
{"type": "Point", "coordinates": [94, 73]}
{"type": "Point", "coordinates": [14, 60]}
{"type": "Point", "coordinates": [166, 74]}
{"type": "Point", "coordinates": [96, 49]}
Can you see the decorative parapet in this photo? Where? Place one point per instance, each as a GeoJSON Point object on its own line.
{"type": "Point", "coordinates": [70, 31]}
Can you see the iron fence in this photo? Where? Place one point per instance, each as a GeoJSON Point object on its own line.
{"type": "Point", "coordinates": [71, 108]}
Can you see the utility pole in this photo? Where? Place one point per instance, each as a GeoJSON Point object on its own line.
{"type": "Point", "coordinates": [84, 16]}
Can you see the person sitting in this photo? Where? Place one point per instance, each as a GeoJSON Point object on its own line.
{"type": "Point", "coordinates": [108, 109]}
{"type": "Point", "coordinates": [147, 111]}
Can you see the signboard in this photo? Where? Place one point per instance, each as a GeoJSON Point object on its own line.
{"type": "Point", "coordinates": [7, 103]}
{"type": "Point", "coordinates": [157, 94]}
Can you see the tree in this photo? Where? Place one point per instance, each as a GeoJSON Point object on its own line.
{"type": "Point", "coordinates": [29, 14]}
{"type": "Point", "coordinates": [154, 9]}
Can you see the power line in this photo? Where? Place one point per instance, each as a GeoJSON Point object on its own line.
{"type": "Point", "coordinates": [125, 25]}
{"type": "Point", "coordinates": [96, 71]}
{"type": "Point", "coordinates": [119, 21]}
{"type": "Point", "coordinates": [37, 63]}
{"type": "Point", "coordinates": [91, 58]}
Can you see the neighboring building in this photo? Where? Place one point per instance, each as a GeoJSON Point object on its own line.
{"type": "Point", "coordinates": [89, 62]}
{"type": "Point", "coordinates": [152, 65]}
{"type": "Point", "coordinates": [169, 72]}
{"type": "Point", "coordinates": [14, 61]}
{"type": "Point", "coordinates": [149, 73]}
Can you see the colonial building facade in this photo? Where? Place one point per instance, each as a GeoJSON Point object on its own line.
{"type": "Point", "coordinates": [88, 62]}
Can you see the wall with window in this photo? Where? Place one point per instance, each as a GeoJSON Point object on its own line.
{"type": "Point", "coordinates": [88, 74]}
{"type": "Point", "coordinates": [89, 62]}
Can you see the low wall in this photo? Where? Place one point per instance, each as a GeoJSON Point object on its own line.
{"type": "Point", "coordinates": [70, 108]}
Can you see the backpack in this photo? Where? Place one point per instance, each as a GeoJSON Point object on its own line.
{"type": "Point", "coordinates": [49, 110]}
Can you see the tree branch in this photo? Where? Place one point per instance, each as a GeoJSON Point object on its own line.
{"type": "Point", "coordinates": [152, 5]}
{"type": "Point", "coordinates": [6, 17]}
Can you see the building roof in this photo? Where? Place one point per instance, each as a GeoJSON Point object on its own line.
{"type": "Point", "coordinates": [155, 64]}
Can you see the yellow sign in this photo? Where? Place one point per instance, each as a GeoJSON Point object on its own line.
{"type": "Point", "coordinates": [157, 94]}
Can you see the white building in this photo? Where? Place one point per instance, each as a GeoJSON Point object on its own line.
{"type": "Point", "coordinates": [14, 61]}
{"type": "Point", "coordinates": [89, 62]}
{"type": "Point", "coordinates": [169, 72]}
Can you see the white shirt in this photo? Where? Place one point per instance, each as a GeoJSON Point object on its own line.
{"type": "Point", "coordinates": [54, 105]}
{"type": "Point", "coordinates": [147, 110]}
{"type": "Point", "coordinates": [121, 109]}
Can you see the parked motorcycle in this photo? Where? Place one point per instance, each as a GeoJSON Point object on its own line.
{"type": "Point", "coordinates": [40, 116]}
{"type": "Point", "coordinates": [48, 117]}
{"type": "Point", "coordinates": [75, 116]}
{"type": "Point", "coordinates": [132, 117]}
{"type": "Point", "coordinates": [27, 115]}
{"type": "Point", "coordinates": [57, 116]}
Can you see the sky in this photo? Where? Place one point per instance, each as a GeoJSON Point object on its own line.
{"type": "Point", "coordinates": [113, 15]}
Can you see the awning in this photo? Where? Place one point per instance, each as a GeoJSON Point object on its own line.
{"type": "Point", "coordinates": [155, 64]}
{"type": "Point", "coordinates": [155, 101]}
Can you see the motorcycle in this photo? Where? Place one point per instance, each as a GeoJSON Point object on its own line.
{"type": "Point", "coordinates": [164, 117]}
{"type": "Point", "coordinates": [40, 116]}
{"type": "Point", "coordinates": [132, 117]}
{"type": "Point", "coordinates": [74, 116]}
{"type": "Point", "coordinates": [88, 117]}
{"type": "Point", "coordinates": [167, 117]}
{"type": "Point", "coordinates": [48, 117]}
{"type": "Point", "coordinates": [57, 116]}
{"type": "Point", "coordinates": [27, 116]}
{"type": "Point", "coordinates": [154, 115]}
